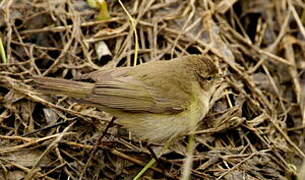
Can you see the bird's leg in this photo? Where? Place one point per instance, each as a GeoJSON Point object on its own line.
{"type": "Point", "coordinates": [156, 158]}
{"type": "Point", "coordinates": [152, 161]}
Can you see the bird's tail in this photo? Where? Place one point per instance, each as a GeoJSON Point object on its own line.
{"type": "Point", "coordinates": [57, 86]}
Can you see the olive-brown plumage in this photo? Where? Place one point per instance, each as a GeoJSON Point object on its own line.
{"type": "Point", "coordinates": [157, 101]}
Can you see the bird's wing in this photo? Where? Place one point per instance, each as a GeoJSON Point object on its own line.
{"type": "Point", "coordinates": [128, 91]}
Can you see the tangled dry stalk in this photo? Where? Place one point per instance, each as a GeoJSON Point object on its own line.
{"type": "Point", "coordinates": [255, 130]}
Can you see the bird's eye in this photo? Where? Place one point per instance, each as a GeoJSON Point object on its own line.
{"type": "Point", "coordinates": [209, 78]}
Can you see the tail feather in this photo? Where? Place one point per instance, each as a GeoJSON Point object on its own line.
{"type": "Point", "coordinates": [59, 86]}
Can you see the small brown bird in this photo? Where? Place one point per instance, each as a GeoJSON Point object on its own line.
{"type": "Point", "coordinates": [157, 101]}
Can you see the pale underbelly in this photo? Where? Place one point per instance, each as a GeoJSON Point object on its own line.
{"type": "Point", "coordinates": [160, 127]}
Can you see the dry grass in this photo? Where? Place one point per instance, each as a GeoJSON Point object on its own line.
{"type": "Point", "coordinates": [255, 130]}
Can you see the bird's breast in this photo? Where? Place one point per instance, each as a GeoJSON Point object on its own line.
{"type": "Point", "coordinates": [164, 127]}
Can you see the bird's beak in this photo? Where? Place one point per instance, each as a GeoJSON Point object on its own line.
{"type": "Point", "coordinates": [222, 77]}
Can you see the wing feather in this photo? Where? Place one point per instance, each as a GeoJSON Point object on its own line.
{"type": "Point", "coordinates": [126, 90]}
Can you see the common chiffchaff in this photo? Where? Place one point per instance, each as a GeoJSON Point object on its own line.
{"type": "Point", "coordinates": [157, 100]}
